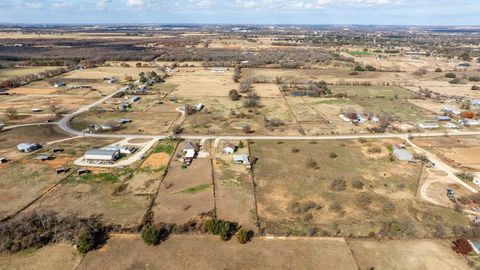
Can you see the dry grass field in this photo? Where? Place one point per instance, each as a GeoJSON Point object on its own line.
{"type": "Point", "coordinates": [461, 152]}
{"type": "Point", "coordinates": [185, 192]}
{"type": "Point", "coordinates": [406, 255]}
{"type": "Point", "coordinates": [9, 73]}
{"type": "Point", "coordinates": [58, 256]}
{"type": "Point", "coordinates": [207, 252]}
{"type": "Point", "coordinates": [200, 82]}
{"type": "Point", "coordinates": [107, 72]}
{"type": "Point", "coordinates": [340, 187]}
{"type": "Point", "coordinates": [234, 196]}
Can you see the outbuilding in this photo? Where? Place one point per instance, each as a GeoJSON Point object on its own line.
{"type": "Point", "coordinates": [229, 148]}
{"type": "Point", "coordinates": [135, 99]}
{"type": "Point", "coordinates": [28, 147]}
{"type": "Point", "coordinates": [102, 155]}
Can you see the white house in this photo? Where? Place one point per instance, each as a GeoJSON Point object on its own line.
{"type": "Point", "coordinates": [229, 148]}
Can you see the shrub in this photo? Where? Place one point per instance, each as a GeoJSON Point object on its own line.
{"type": "Point", "coordinates": [233, 94]}
{"type": "Point", "coordinates": [375, 149]}
{"type": "Point", "coordinates": [336, 207]}
{"type": "Point", "coordinates": [475, 87]}
{"type": "Point", "coordinates": [399, 228]}
{"type": "Point", "coordinates": [455, 81]}
{"type": "Point", "coordinates": [244, 236]}
{"type": "Point", "coordinates": [420, 72]}
{"type": "Point", "coordinates": [364, 199]}
{"type": "Point", "coordinates": [359, 68]}
{"type": "Point", "coordinates": [474, 78]}
{"type": "Point", "coordinates": [338, 185]}
{"type": "Point", "coordinates": [370, 68]}
{"type": "Point", "coordinates": [438, 70]}
{"type": "Point", "coordinates": [312, 164]}
{"type": "Point", "coordinates": [295, 150]}
{"type": "Point", "coordinates": [86, 241]}
{"type": "Point", "coordinates": [451, 75]}
{"type": "Point", "coordinates": [151, 236]}
{"type": "Point", "coordinates": [362, 140]}
{"type": "Point", "coordinates": [333, 155]}
{"type": "Point", "coordinates": [353, 73]}
{"type": "Point", "coordinates": [225, 229]}
{"type": "Point", "coordinates": [358, 184]}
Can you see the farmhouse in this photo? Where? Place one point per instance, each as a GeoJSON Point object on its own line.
{"type": "Point", "coordinates": [189, 155]}
{"type": "Point", "coordinates": [28, 147]}
{"type": "Point", "coordinates": [229, 148]}
{"type": "Point", "coordinates": [101, 155]}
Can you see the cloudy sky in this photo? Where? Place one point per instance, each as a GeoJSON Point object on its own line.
{"type": "Point", "coordinates": [397, 12]}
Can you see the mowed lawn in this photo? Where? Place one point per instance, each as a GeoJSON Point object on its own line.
{"type": "Point", "coordinates": [339, 188]}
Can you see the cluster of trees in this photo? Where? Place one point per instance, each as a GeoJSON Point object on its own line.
{"type": "Point", "coordinates": [35, 230]}
{"type": "Point", "coordinates": [364, 68]}
{"type": "Point", "coordinates": [23, 80]}
{"type": "Point", "coordinates": [310, 89]}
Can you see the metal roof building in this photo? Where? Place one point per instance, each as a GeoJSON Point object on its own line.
{"type": "Point", "coordinates": [402, 154]}
{"type": "Point", "coordinates": [102, 155]}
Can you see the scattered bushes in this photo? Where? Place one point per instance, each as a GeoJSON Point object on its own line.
{"type": "Point", "coordinates": [420, 72]}
{"type": "Point", "coordinates": [303, 207]}
{"type": "Point", "coordinates": [455, 81]}
{"type": "Point", "coordinates": [474, 78]}
{"type": "Point", "coordinates": [374, 149]}
{"type": "Point", "coordinates": [36, 230]}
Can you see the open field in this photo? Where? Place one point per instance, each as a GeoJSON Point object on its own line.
{"type": "Point", "coordinates": [461, 153]}
{"type": "Point", "coordinates": [206, 252]}
{"type": "Point", "coordinates": [234, 196]}
{"type": "Point", "coordinates": [23, 182]}
{"type": "Point", "coordinates": [300, 187]}
{"type": "Point", "coordinates": [107, 72]}
{"type": "Point", "coordinates": [185, 192]}
{"type": "Point", "coordinates": [121, 195]}
{"type": "Point", "coordinates": [9, 73]}
{"type": "Point", "coordinates": [406, 255]}
{"type": "Point", "coordinates": [58, 256]}
{"type": "Point", "coordinates": [223, 116]}
{"type": "Point", "coordinates": [372, 91]}
{"type": "Point", "coordinates": [200, 82]}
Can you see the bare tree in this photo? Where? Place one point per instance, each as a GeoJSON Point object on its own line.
{"type": "Point", "coordinates": [12, 113]}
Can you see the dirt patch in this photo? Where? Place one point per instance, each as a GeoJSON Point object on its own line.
{"type": "Point", "coordinates": [59, 256]}
{"type": "Point", "coordinates": [207, 252]}
{"type": "Point", "coordinates": [156, 161]}
{"type": "Point", "coordinates": [406, 254]}
{"type": "Point", "coordinates": [38, 91]}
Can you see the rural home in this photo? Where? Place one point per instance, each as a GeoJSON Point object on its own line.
{"type": "Point", "coordinates": [229, 148]}
{"type": "Point", "coordinates": [28, 147]}
{"type": "Point", "coordinates": [102, 155]}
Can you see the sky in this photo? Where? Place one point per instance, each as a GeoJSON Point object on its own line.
{"type": "Point", "coordinates": [380, 12]}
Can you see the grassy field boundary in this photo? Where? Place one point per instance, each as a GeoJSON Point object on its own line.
{"type": "Point", "coordinates": [148, 216]}
{"type": "Point", "coordinates": [254, 185]}
{"type": "Point", "coordinates": [39, 197]}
